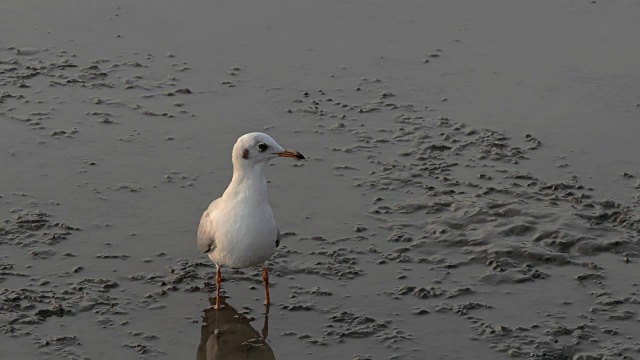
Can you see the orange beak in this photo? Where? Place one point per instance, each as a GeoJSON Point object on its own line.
{"type": "Point", "coordinates": [290, 154]}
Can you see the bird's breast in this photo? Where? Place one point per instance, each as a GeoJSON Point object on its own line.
{"type": "Point", "coordinates": [245, 235]}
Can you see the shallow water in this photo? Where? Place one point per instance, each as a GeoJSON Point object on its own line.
{"type": "Point", "coordinates": [473, 204]}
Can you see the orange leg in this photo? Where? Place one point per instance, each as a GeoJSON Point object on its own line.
{"type": "Point", "coordinates": [265, 278]}
{"type": "Point", "coordinates": [218, 285]}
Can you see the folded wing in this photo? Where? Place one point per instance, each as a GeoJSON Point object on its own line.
{"type": "Point", "coordinates": [206, 237]}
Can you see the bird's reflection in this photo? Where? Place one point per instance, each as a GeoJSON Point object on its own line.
{"type": "Point", "coordinates": [228, 334]}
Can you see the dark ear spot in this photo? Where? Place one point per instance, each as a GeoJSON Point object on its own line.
{"type": "Point", "coordinates": [245, 154]}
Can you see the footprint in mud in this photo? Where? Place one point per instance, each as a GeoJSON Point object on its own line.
{"type": "Point", "coordinates": [228, 334]}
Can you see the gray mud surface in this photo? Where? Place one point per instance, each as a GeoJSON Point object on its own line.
{"type": "Point", "coordinates": [471, 189]}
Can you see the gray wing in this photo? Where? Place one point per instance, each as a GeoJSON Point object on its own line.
{"type": "Point", "coordinates": [278, 237]}
{"type": "Point", "coordinates": [206, 238]}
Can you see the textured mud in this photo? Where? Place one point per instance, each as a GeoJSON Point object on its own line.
{"type": "Point", "coordinates": [418, 227]}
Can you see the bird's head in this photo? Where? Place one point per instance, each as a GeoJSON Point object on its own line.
{"type": "Point", "coordinates": [255, 148]}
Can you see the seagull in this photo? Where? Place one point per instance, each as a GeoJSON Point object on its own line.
{"type": "Point", "coordinates": [238, 229]}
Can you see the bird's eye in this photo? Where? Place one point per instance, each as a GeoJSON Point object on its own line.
{"type": "Point", "coordinates": [263, 146]}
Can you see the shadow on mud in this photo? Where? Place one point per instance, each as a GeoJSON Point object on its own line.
{"type": "Point", "coordinates": [228, 334]}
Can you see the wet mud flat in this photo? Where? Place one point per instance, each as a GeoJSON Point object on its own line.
{"type": "Point", "coordinates": [408, 232]}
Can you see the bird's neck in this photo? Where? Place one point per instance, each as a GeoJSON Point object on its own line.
{"type": "Point", "coordinates": [248, 182]}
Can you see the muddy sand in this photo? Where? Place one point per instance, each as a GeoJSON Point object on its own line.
{"type": "Point", "coordinates": [471, 188]}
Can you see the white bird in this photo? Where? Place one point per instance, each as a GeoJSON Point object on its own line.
{"type": "Point", "coordinates": [238, 229]}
